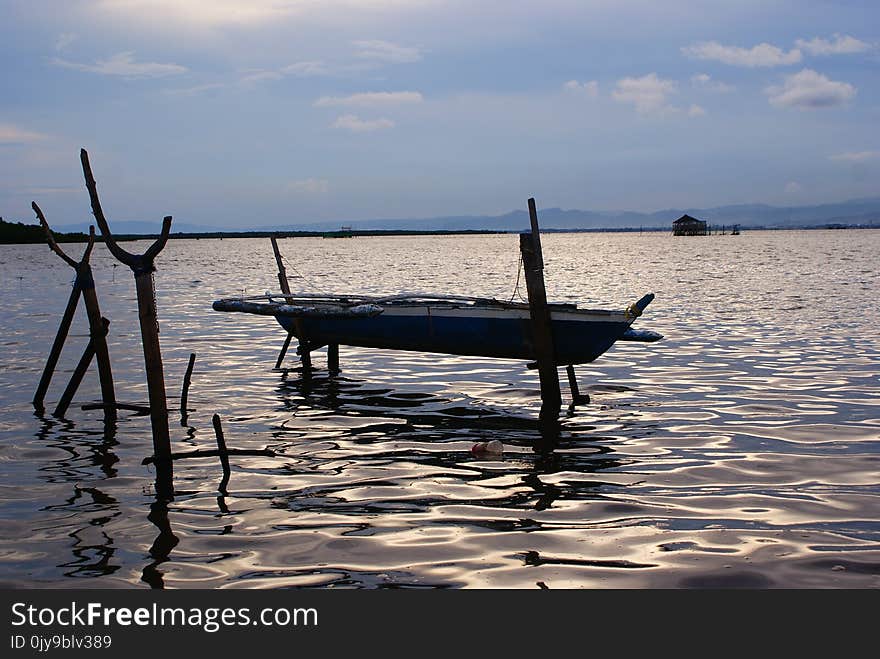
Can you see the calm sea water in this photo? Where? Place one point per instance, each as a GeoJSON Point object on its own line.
{"type": "Point", "coordinates": [743, 450]}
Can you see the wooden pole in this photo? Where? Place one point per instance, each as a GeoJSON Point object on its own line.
{"type": "Point", "coordinates": [542, 331]}
{"type": "Point", "coordinates": [55, 352]}
{"type": "Point", "coordinates": [333, 358]}
{"type": "Point", "coordinates": [184, 393]}
{"type": "Point", "coordinates": [79, 372]}
{"type": "Point", "coordinates": [305, 354]}
{"type": "Point", "coordinates": [146, 297]}
{"type": "Point", "coordinates": [283, 350]}
{"type": "Point", "coordinates": [282, 272]}
{"type": "Point", "coordinates": [222, 451]}
{"type": "Point", "coordinates": [576, 397]}
{"type": "Point", "coordinates": [143, 267]}
{"type": "Point", "coordinates": [102, 355]}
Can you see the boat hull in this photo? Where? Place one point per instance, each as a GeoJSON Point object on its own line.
{"type": "Point", "coordinates": [579, 336]}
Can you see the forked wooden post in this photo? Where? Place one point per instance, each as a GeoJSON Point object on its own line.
{"type": "Point", "coordinates": [143, 267]}
{"type": "Point", "coordinates": [85, 285]}
{"type": "Point", "coordinates": [542, 331]}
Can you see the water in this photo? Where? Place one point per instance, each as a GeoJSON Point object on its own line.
{"type": "Point", "coordinates": [743, 450]}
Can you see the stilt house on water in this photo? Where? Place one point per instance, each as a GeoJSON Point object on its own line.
{"type": "Point", "coordinates": [689, 226]}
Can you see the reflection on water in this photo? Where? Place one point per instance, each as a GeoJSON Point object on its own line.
{"type": "Point", "coordinates": [742, 451]}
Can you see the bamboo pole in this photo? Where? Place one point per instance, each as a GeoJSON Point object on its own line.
{"type": "Point", "coordinates": [542, 330]}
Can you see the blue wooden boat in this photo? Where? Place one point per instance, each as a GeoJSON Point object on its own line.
{"type": "Point", "coordinates": [469, 326]}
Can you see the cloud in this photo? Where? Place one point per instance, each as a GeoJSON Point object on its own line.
{"type": "Point", "coordinates": [763, 54]}
{"type": "Point", "coordinates": [309, 186]}
{"type": "Point", "coordinates": [64, 40]}
{"type": "Point", "coordinates": [11, 134]}
{"type": "Point", "coordinates": [386, 51]}
{"type": "Point", "coordinates": [357, 125]}
{"type": "Point", "coordinates": [704, 81]}
{"type": "Point", "coordinates": [196, 90]}
{"type": "Point", "coordinates": [648, 93]}
{"type": "Point", "coordinates": [590, 88]}
{"type": "Point", "coordinates": [855, 156]}
{"type": "Point", "coordinates": [793, 187]}
{"type": "Point", "coordinates": [371, 99]}
{"type": "Point", "coordinates": [842, 45]}
{"type": "Point", "coordinates": [306, 69]}
{"type": "Point", "coordinates": [260, 76]}
{"type": "Point", "coordinates": [810, 90]}
{"type": "Point", "coordinates": [696, 111]}
{"type": "Point", "coordinates": [123, 64]}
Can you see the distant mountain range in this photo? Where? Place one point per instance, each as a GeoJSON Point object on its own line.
{"type": "Point", "coordinates": [856, 212]}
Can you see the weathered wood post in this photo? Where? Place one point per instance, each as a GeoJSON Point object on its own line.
{"type": "Point", "coordinates": [222, 452]}
{"type": "Point", "coordinates": [143, 268]}
{"type": "Point", "coordinates": [85, 285]}
{"type": "Point", "coordinates": [304, 350]}
{"type": "Point", "coordinates": [184, 392]}
{"type": "Point", "coordinates": [542, 331]}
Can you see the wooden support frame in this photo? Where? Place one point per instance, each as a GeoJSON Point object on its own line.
{"type": "Point", "coordinates": [84, 285]}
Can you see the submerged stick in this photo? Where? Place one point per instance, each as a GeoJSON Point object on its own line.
{"type": "Point", "coordinates": [222, 451]}
{"type": "Point", "coordinates": [184, 394]}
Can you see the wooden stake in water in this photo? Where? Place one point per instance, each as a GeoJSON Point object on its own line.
{"type": "Point", "coordinates": [143, 268]}
{"type": "Point", "coordinates": [542, 330]}
{"type": "Point", "coordinates": [85, 285]}
{"type": "Point", "coordinates": [184, 392]}
{"type": "Point", "coordinates": [304, 352]}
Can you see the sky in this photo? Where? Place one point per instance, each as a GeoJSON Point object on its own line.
{"type": "Point", "coordinates": [239, 114]}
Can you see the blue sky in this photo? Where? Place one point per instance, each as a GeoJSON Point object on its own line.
{"type": "Point", "coordinates": [241, 114]}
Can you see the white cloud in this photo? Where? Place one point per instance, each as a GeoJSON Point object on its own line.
{"type": "Point", "coordinates": [810, 90]}
{"type": "Point", "coordinates": [648, 93]}
{"type": "Point", "coordinates": [306, 69]}
{"type": "Point", "coordinates": [855, 156]}
{"type": "Point", "coordinates": [763, 54]}
{"type": "Point", "coordinates": [123, 64]}
{"type": "Point", "coordinates": [793, 187]}
{"type": "Point", "coordinates": [64, 40]}
{"type": "Point", "coordinates": [357, 125]}
{"type": "Point", "coordinates": [842, 45]}
{"type": "Point", "coordinates": [260, 76]}
{"type": "Point", "coordinates": [10, 134]}
{"type": "Point", "coordinates": [386, 51]}
{"type": "Point", "coordinates": [704, 81]}
{"type": "Point", "coordinates": [371, 99]}
{"type": "Point", "coordinates": [696, 111]}
{"type": "Point", "coordinates": [196, 90]}
{"type": "Point", "coordinates": [590, 88]}
{"type": "Point", "coordinates": [309, 186]}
